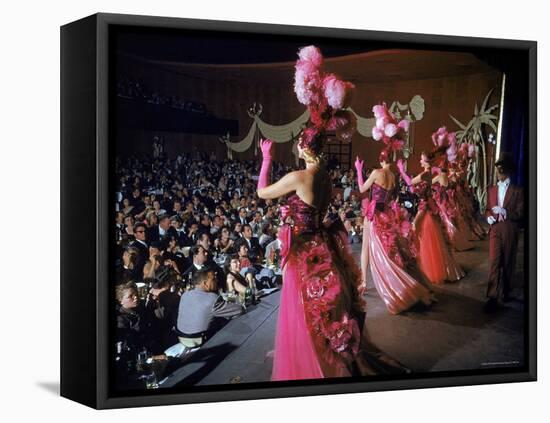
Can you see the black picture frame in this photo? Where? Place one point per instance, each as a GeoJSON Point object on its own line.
{"type": "Point", "coordinates": [85, 158]}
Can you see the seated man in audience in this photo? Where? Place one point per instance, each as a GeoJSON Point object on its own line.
{"type": "Point", "coordinates": [162, 305]}
{"type": "Point", "coordinates": [181, 235]}
{"type": "Point", "coordinates": [273, 251]}
{"type": "Point", "coordinates": [199, 256]}
{"type": "Point", "coordinates": [157, 232]}
{"type": "Point", "coordinates": [243, 218]}
{"type": "Point", "coordinates": [237, 232]}
{"type": "Point", "coordinates": [267, 235]}
{"type": "Point", "coordinates": [254, 249]}
{"type": "Point", "coordinates": [128, 270]}
{"type": "Point", "coordinates": [192, 233]}
{"type": "Point", "coordinates": [353, 236]}
{"type": "Point", "coordinates": [204, 241]}
{"type": "Point", "coordinates": [206, 224]}
{"type": "Point", "coordinates": [140, 244]}
{"type": "Point", "coordinates": [256, 224]}
{"type": "Point", "coordinates": [201, 308]}
{"type": "Point", "coordinates": [217, 224]}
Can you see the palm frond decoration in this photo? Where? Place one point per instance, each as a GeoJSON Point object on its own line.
{"type": "Point", "coordinates": [473, 134]}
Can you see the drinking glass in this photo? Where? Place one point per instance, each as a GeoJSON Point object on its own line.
{"type": "Point", "coordinates": [141, 360]}
{"type": "Point", "coordinates": [151, 381]}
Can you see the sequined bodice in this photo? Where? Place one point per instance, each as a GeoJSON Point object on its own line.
{"type": "Point", "coordinates": [424, 190]}
{"type": "Point", "coordinates": [380, 195]}
{"type": "Point", "coordinates": [305, 217]}
{"type": "Point", "coordinates": [439, 191]}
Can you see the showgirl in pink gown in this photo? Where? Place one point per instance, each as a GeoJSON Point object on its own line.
{"type": "Point", "coordinates": [450, 213]}
{"type": "Point", "coordinates": [435, 259]}
{"type": "Point", "coordinates": [466, 221]}
{"type": "Point", "coordinates": [387, 243]}
{"type": "Point", "coordinates": [321, 313]}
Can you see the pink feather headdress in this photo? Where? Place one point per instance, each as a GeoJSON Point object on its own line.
{"type": "Point", "coordinates": [325, 95]}
{"type": "Point", "coordinates": [445, 141]}
{"type": "Point", "coordinates": [388, 130]}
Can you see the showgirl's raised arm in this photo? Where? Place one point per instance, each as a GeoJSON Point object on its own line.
{"type": "Point", "coordinates": [408, 180]}
{"type": "Point", "coordinates": [363, 186]}
{"type": "Point", "coordinates": [287, 184]}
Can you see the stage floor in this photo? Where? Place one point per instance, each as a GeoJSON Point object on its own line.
{"type": "Point", "coordinates": [453, 334]}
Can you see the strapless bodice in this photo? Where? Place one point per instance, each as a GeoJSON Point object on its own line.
{"type": "Point", "coordinates": [423, 189]}
{"type": "Point", "coordinates": [380, 196]}
{"type": "Point", "coordinates": [305, 217]}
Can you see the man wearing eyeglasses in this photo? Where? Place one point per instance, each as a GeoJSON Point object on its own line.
{"type": "Point", "coordinates": [141, 245]}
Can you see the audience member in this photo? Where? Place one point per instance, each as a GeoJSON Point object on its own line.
{"type": "Point", "coordinates": [200, 308]}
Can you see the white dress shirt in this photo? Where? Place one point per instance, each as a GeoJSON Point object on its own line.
{"type": "Point", "coordinates": [142, 242]}
{"type": "Point", "coordinates": [502, 188]}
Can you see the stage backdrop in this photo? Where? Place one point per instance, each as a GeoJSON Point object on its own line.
{"type": "Point", "coordinates": [450, 83]}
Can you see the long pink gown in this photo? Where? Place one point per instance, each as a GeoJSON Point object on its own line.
{"type": "Point", "coordinates": [321, 314]}
{"type": "Point", "coordinates": [386, 232]}
{"type": "Point", "coordinates": [450, 214]}
{"type": "Point", "coordinates": [467, 221]}
{"type": "Point", "coordinates": [435, 259]}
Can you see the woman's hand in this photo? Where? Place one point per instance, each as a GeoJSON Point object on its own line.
{"type": "Point", "coordinates": [358, 164]}
{"type": "Point", "coordinates": [400, 166]}
{"type": "Point", "coordinates": [265, 145]}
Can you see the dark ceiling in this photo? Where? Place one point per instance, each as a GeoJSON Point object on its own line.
{"type": "Point", "coordinates": [208, 47]}
{"type": "Point", "coordinates": [216, 47]}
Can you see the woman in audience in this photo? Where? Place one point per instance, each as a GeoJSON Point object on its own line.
{"type": "Point", "coordinates": [157, 209]}
{"type": "Point", "coordinates": [128, 269]}
{"type": "Point", "coordinates": [237, 231]}
{"type": "Point", "coordinates": [152, 266]}
{"type": "Point", "coordinates": [247, 268]}
{"type": "Point", "coordinates": [223, 244]}
{"type": "Point", "coordinates": [235, 282]}
{"type": "Point", "coordinates": [132, 325]}
{"type": "Point", "coordinates": [126, 206]}
{"type": "Point", "coordinates": [152, 219]}
{"type": "Point", "coordinates": [173, 252]}
{"type": "Point", "coordinates": [128, 232]}
{"type": "Point", "coordinates": [162, 307]}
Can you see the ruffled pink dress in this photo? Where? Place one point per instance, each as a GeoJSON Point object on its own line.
{"type": "Point", "coordinates": [435, 258]}
{"type": "Point", "coordinates": [321, 313]}
{"type": "Point", "coordinates": [467, 222]}
{"type": "Point", "coordinates": [450, 216]}
{"type": "Point", "coordinates": [387, 233]}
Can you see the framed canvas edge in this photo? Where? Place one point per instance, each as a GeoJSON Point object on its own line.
{"type": "Point", "coordinates": [104, 401]}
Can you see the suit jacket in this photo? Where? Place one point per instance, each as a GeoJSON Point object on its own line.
{"type": "Point", "coordinates": [153, 233]}
{"type": "Point", "coordinates": [513, 204]}
{"type": "Point", "coordinates": [198, 309]}
{"type": "Point", "coordinates": [143, 255]}
{"type": "Point", "coordinates": [254, 250]}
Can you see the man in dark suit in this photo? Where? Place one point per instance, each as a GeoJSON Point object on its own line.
{"type": "Point", "coordinates": [199, 257]}
{"type": "Point", "coordinates": [504, 213]}
{"type": "Point", "coordinates": [254, 250]}
{"type": "Point", "coordinates": [243, 218]}
{"type": "Point", "coordinates": [140, 243]}
{"type": "Point", "coordinates": [164, 228]}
